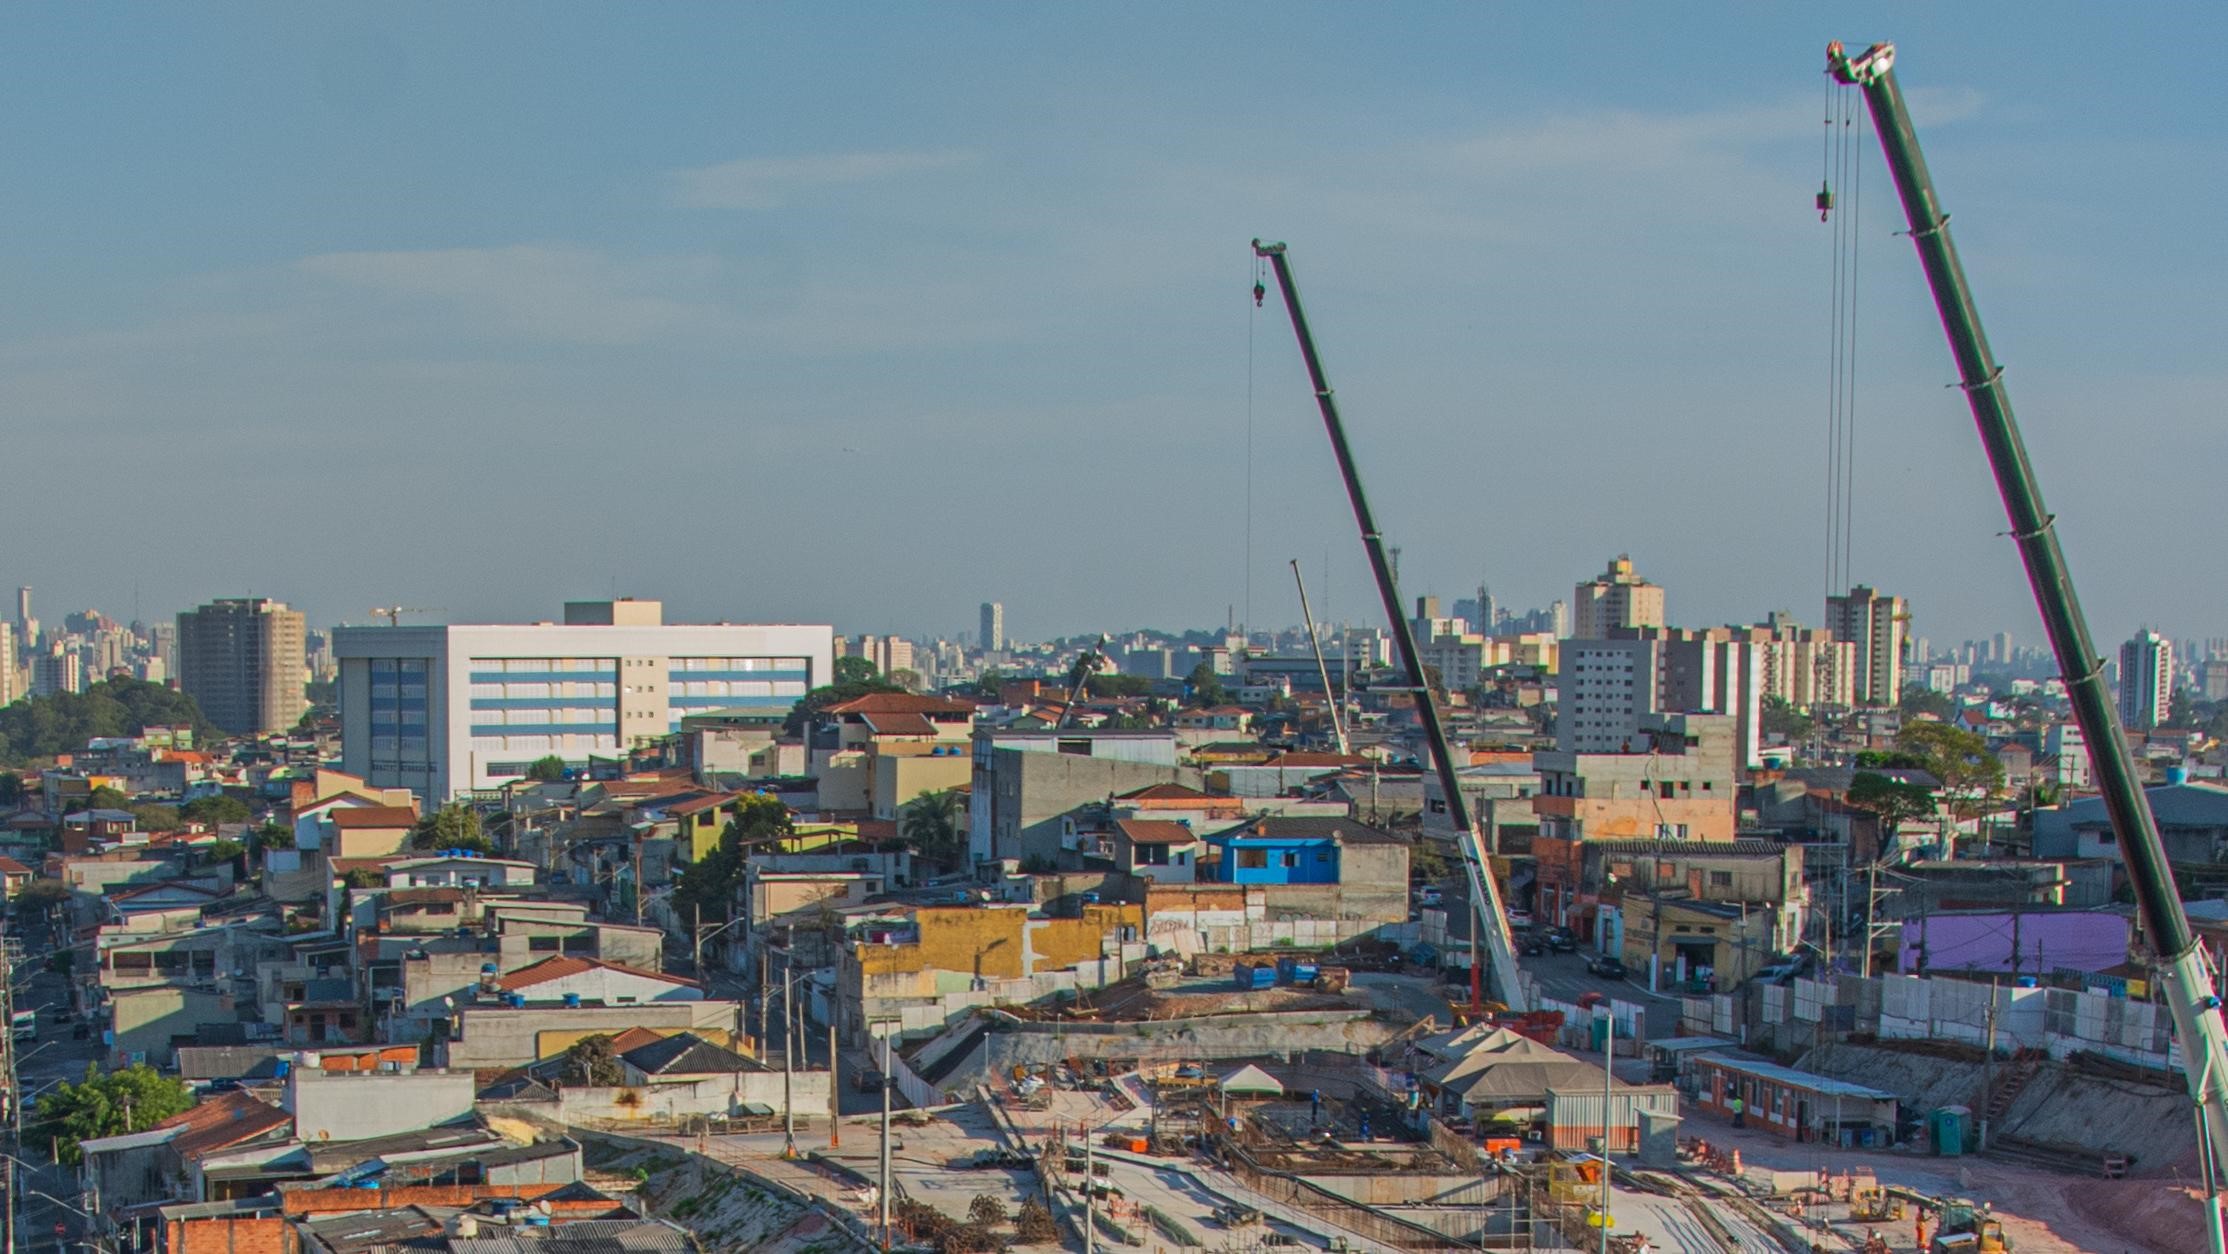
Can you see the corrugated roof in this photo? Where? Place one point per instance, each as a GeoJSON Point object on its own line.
{"type": "Point", "coordinates": [686, 1053]}
{"type": "Point", "coordinates": [1824, 1085]}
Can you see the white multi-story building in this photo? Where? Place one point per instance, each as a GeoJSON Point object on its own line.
{"type": "Point", "coordinates": [1876, 624]}
{"type": "Point", "coordinates": [1617, 597]}
{"type": "Point", "coordinates": [2146, 680]}
{"type": "Point", "coordinates": [443, 710]}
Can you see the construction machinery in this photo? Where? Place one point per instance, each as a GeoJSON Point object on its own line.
{"type": "Point", "coordinates": [393, 613]}
{"type": "Point", "coordinates": [2185, 977]}
{"type": "Point", "coordinates": [1491, 920]}
{"type": "Point", "coordinates": [1964, 1228]}
{"type": "Point", "coordinates": [1874, 1205]}
{"type": "Point", "coordinates": [1086, 665]}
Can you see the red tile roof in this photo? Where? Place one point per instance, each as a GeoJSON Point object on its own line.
{"type": "Point", "coordinates": [373, 816]}
{"type": "Point", "coordinates": [1317, 759]}
{"type": "Point", "coordinates": [708, 801]}
{"type": "Point", "coordinates": [899, 703]}
{"type": "Point", "coordinates": [342, 1201]}
{"type": "Point", "coordinates": [222, 1121]}
{"type": "Point", "coordinates": [1155, 832]}
{"type": "Point", "coordinates": [564, 965]}
{"type": "Point", "coordinates": [9, 866]}
{"type": "Point", "coordinates": [901, 724]}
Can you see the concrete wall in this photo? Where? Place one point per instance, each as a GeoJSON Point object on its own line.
{"type": "Point", "coordinates": [147, 1018]}
{"type": "Point", "coordinates": [353, 1106]}
{"type": "Point", "coordinates": [710, 1095]}
{"type": "Point", "coordinates": [500, 1036]}
{"type": "Point", "coordinates": [1231, 1036]}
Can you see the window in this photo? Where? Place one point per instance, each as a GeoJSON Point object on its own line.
{"type": "Point", "coordinates": [544, 944]}
{"type": "Point", "coordinates": [1721, 879]}
{"type": "Point", "coordinates": [1291, 859]}
{"type": "Point", "coordinates": [1254, 859]}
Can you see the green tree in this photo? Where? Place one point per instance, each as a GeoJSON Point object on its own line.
{"type": "Point", "coordinates": [1972, 777]}
{"type": "Point", "coordinates": [1919, 699]}
{"type": "Point", "coordinates": [1893, 800]}
{"type": "Point", "coordinates": [274, 836]}
{"type": "Point", "coordinates": [547, 770]}
{"type": "Point", "coordinates": [1782, 719]}
{"type": "Point", "coordinates": [705, 889]}
{"type": "Point", "coordinates": [364, 877]}
{"type": "Point", "coordinates": [854, 670]}
{"type": "Point", "coordinates": [157, 818]}
{"type": "Point", "coordinates": [930, 823]}
{"type": "Point", "coordinates": [1120, 686]}
{"type": "Point", "coordinates": [105, 798]}
{"type": "Point", "coordinates": [41, 893]}
{"type": "Point", "coordinates": [41, 727]}
{"type": "Point", "coordinates": [590, 1061]}
{"type": "Point", "coordinates": [216, 811]}
{"type": "Point", "coordinates": [1204, 688]}
{"type": "Point", "coordinates": [132, 1099]}
{"type": "Point", "coordinates": [11, 788]}
{"type": "Point", "coordinates": [909, 680]}
{"type": "Point", "coordinates": [223, 851]}
{"type": "Point", "coordinates": [453, 826]}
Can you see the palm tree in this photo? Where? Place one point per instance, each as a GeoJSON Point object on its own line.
{"type": "Point", "coordinates": [930, 823]}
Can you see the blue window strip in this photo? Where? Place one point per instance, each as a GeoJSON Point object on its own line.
{"type": "Point", "coordinates": [536, 677]}
{"type": "Point", "coordinates": [546, 703]}
{"type": "Point", "coordinates": [544, 729]}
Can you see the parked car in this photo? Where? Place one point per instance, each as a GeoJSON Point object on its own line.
{"type": "Point", "coordinates": [1607, 967]}
{"type": "Point", "coordinates": [1559, 940]}
{"type": "Point", "coordinates": [1430, 896]}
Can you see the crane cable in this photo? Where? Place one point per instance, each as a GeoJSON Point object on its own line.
{"type": "Point", "coordinates": [1253, 319]}
{"type": "Point", "coordinates": [1840, 156]}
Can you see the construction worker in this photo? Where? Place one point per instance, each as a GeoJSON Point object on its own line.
{"type": "Point", "coordinates": [1740, 1112]}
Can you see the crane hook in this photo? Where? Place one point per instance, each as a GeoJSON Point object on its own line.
{"type": "Point", "coordinates": [1825, 201]}
{"type": "Point", "coordinates": [1259, 291]}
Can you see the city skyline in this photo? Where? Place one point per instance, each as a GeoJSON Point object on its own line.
{"type": "Point", "coordinates": [931, 283]}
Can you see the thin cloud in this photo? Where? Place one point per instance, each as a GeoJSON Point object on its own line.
{"type": "Point", "coordinates": [568, 294]}
{"type": "Point", "coordinates": [769, 182]}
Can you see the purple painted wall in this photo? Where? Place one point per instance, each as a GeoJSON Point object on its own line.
{"type": "Point", "coordinates": [2075, 940]}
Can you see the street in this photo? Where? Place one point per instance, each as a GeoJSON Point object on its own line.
{"type": "Point", "coordinates": [55, 1056]}
{"type": "Point", "coordinates": [1564, 977]}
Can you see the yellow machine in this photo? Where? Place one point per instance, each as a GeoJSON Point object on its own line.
{"type": "Point", "coordinates": [1874, 1205]}
{"type": "Point", "coordinates": [1967, 1229]}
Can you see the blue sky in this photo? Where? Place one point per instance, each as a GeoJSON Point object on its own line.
{"type": "Point", "coordinates": [867, 314]}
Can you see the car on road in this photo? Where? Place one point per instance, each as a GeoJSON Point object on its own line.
{"type": "Point", "coordinates": [1607, 967]}
{"type": "Point", "coordinates": [1430, 897]}
{"type": "Point", "coordinates": [1559, 940]}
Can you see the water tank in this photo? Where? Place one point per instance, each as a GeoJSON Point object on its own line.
{"type": "Point", "coordinates": [572, 1001]}
{"type": "Point", "coordinates": [516, 1000]}
{"type": "Point", "coordinates": [2177, 774]}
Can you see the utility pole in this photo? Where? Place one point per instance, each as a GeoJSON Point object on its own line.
{"type": "Point", "coordinates": [638, 881]}
{"type": "Point", "coordinates": [1608, 1085]}
{"type": "Point", "coordinates": [765, 994]}
{"type": "Point", "coordinates": [1090, 1224]}
{"type": "Point", "coordinates": [1987, 1073]}
{"type": "Point", "coordinates": [835, 1111]}
{"type": "Point", "coordinates": [788, 1072]}
{"type": "Point", "coordinates": [885, 1193]}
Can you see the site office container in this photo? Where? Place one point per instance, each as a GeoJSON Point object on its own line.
{"type": "Point", "coordinates": [1575, 1122]}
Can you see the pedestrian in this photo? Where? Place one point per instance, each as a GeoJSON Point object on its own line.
{"type": "Point", "coordinates": [1740, 1112]}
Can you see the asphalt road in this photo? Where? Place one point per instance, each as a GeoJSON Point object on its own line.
{"type": "Point", "coordinates": [1564, 976]}
{"type": "Point", "coordinates": [56, 1055]}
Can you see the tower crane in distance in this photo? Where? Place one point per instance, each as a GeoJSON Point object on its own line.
{"type": "Point", "coordinates": [393, 613]}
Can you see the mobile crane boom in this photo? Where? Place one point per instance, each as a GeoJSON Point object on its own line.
{"type": "Point", "coordinates": [1485, 895]}
{"type": "Point", "coordinates": [2185, 979]}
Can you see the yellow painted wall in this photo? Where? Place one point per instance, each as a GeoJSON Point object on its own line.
{"type": "Point", "coordinates": [987, 941]}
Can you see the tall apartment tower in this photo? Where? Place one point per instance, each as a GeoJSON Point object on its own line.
{"type": "Point", "coordinates": [8, 693]}
{"type": "Point", "coordinates": [1615, 598]}
{"type": "Point", "coordinates": [1875, 624]}
{"type": "Point", "coordinates": [26, 627]}
{"type": "Point", "coordinates": [242, 661]}
{"type": "Point", "coordinates": [2146, 680]}
{"type": "Point", "coordinates": [993, 627]}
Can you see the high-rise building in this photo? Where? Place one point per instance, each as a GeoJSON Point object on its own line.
{"type": "Point", "coordinates": [1615, 598]}
{"type": "Point", "coordinates": [442, 710]}
{"type": "Point", "coordinates": [2213, 677]}
{"type": "Point", "coordinates": [1875, 623]}
{"type": "Point", "coordinates": [2146, 680]}
{"type": "Point", "coordinates": [993, 627]}
{"type": "Point", "coordinates": [56, 669]}
{"type": "Point", "coordinates": [1607, 689]}
{"type": "Point", "coordinates": [8, 694]}
{"type": "Point", "coordinates": [241, 660]}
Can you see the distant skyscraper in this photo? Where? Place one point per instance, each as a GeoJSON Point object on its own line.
{"type": "Point", "coordinates": [1615, 598]}
{"type": "Point", "coordinates": [993, 627]}
{"type": "Point", "coordinates": [1876, 624]}
{"type": "Point", "coordinates": [8, 694]}
{"type": "Point", "coordinates": [56, 669]}
{"type": "Point", "coordinates": [2146, 680]}
{"type": "Point", "coordinates": [241, 660]}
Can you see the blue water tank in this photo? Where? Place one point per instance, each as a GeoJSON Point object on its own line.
{"type": "Point", "coordinates": [516, 1000]}
{"type": "Point", "coordinates": [2177, 774]}
{"type": "Point", "coordinates": [285, 1065]}
{"type": "Point", "coordinates": [572, 1000]}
